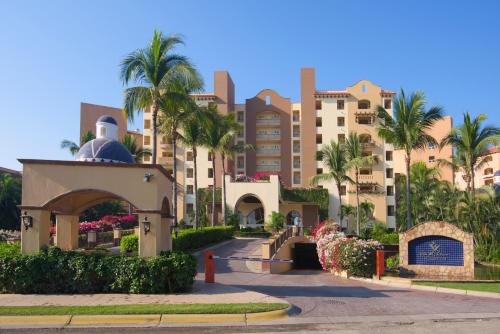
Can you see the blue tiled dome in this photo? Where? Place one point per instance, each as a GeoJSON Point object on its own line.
{"type": "Point", "coordinates": [107, 119]}
{"type": "Point", "coordinates": [104, 150]}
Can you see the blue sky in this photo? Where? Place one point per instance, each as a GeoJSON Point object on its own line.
{"type": "Point", "coordinates": [55, 54]}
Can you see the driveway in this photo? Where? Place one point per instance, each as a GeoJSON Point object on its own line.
{"type": "Point", "coordinates": [315, 293]}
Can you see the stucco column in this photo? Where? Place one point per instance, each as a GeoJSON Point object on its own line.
{"type": "Point", "coordinates": [37, 236]}
{"type": "Point", "coordinates": [157, 239]}
{"type": "Point", "coordinates": [67, 232]}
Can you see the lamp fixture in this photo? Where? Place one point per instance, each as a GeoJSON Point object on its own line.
{"type": "Point", "coordinates": [147, 225]}
{"type": "Point", "coordinates": [147, 176]}
{"type": "Point", "coordinates": [27, 221]}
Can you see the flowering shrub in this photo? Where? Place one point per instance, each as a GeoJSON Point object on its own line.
{"type": "Point", "coordinates": [336, 252]}
{"type": "Point", "coordinates": [108, 222]}
{"type": "Point", "coordinates": [265, 176]}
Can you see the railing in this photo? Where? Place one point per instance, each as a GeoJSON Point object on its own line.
{"type": "Point", "coordinates": [276, 244]}
{"type": "Point", "coordinates": [268, 151]}
{"type": "Point", "coordinates": [268, 121]}
{"type": "Point", "coordinates": [268, 136]}
{"type": "Point", "coordinates": [268, 168]}
{"type": "Point", "coordinates": [368, 144]}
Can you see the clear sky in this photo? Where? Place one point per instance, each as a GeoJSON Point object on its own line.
{"type": "Point", "coordinates": [55, 54]}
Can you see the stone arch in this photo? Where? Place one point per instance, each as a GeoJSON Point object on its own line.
{"type": "Point", "coordinates": [249, 208]}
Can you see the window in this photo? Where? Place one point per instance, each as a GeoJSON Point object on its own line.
{"type": "Point", "coordinates": [189, 173]}
{"type": "Point", "coordinates": [319, 171]}
{"type": "Point", "coordinates": [319, 138]}
{"type": "Point", "coordinates": [388, 104]}
{"type": "Point", "coordinates": [240, 133]}
{"type": "Point", "coordinates": [318, 104]}
{"type": "Point", "coordinates": [390, 190]}
{"type": "Point", "coordinates": [189, 208]}
{"type": "Point", "coordinates": [189, 156]}
{"type": "Point", "coordinates": [146, 158]}
{"type": "Point", "coordinates": [296, 147]}
{"type": "Point", "coordinates": [241, 116]}
{"type": "Point", "coordinates": [488, 171]}
{"type": "Point", "coordinates": [341, 138]}
{"type": "Point", "coordinates": [103, 132]}
{"type": "Point", "coordinates": [364, 120]}
{"type": "Point", "coordinates": [210, 173]}
{"type": "Point", "coordinates": [296, 116]}
{"type": "Point", "coordinates": [365, 171]}
{"type": "Point", "coordinates": [296, 130]}
{"type": "Point", "coordinates": [389, 173]}
{"type": "Point", "coordinates": [296, 178]}
{"type": "Point", "coordinates": [432, 158]}
{"type": "Point", "coordinates": [488, 158]}
{"type": "Point", "coordinates": [147, 140]}
{"type": "Point", "coordinates": [240, 162]}
{"type": "Point", "coordinates": [268, 100]}
{"type": "Point", "coordinates": [340, 121]}
{"type": "Point", "coordinates": [210, 156]}
{"type": "Point", "coordinates": [189, 189]}
{"type": "Point", "coordinates": [343, 190]}
{"type": "Point", "coordinates": [164, 154]}
{"type": "Point", "coordinates": [319, 121]}
{"type": "Point", "coordinates": [431, 146]}
{"type": "Point", "coordinates": [390, 210]}
{"type": "Point", "coordinates": [364, 104]}
{"type": "Point", "coordinates": [363, 88]}
{"type": "Point", "coordinates": [296, 162]}
{"type": "Point", "coordinates": [388, 156]}
{"type": "Point", "coordinates": [340, 104]}
{"type": "Point", "coordinates": [147, 124]}
{"type": "Point", "coordinates": [319, 155]}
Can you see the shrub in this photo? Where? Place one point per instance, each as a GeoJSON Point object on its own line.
{"type": "Point", "coordinates": [392, 263]}
{"type": "Point", "coordinates": [389, 239]}
{"type": "Point", "coordinates": [190, 239]}
{"type": "Point", "coordinates": [129, 244]}
{"type": "Point", "coordinates": [9, 249]}
{"type": "Point", "coordinates": [56, 271]}
{"type": "Point", "coordinates": [275, 222]}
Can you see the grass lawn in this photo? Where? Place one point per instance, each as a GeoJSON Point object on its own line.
{"type": "Point", "coordinates": [487, 287]}
{"type": "Point", "coordinates": [143, 309]}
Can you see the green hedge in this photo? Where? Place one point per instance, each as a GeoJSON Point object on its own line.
{"type": "Point", "coordinates": [55, 271]}
{"type": "Point", "coordinates": [10, 249]}
{"type": "Point", "coordinates": [190, 239]}
{"type": "Point", "coordinates": [315, 195]}
{"type": "Point", "coordinates": [129, 243]}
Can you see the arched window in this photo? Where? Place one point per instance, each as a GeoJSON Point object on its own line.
{"type": "Point", "coordinates": [292, 217]}
{"type": "Point", "coordinates": [364, 104]}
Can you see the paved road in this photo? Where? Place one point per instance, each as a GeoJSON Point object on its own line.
{"type": "Point", "coordinates": [315, 293]}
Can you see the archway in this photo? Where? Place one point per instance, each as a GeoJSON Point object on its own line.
{"type": "Point", "coordinates": [251, 210]}
{"type": "Point", "coordinates": [292, 217]}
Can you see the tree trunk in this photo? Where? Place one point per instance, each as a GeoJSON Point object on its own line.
{"type": "Point", "coordinates": [155, 130]}
{"type": "Point", "coordinates": [196, 211]}
{"type": "Point", "coordinates": [358, 218]}
{"type": "Point", "coordinates": [408, 200]}
{"type": "Point", "coordinates": [473, 183]}
{"type": "Point", "coordinates": [213, 190]}
{"type": "Point", "coordinates": [340, 204]}
{"type": "Point", "coordinates": [174, 171]}
{"type": "Point", "coordinates": [224, 214]}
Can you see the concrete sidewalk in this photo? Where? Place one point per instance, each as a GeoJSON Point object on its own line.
{"type": "Point", "coordinates": [202, 293]}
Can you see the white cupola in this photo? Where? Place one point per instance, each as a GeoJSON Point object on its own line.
{"type": "Point", "coordinates": [107, 127]}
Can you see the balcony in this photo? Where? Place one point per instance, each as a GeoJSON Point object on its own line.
{"type": "Point", "coordinates": [268, 136]}
{"type": "Point", "coordinates": [296, 149]}
{"type": "Point", "coordinates": [368, 177]}
{"type": "Point", "coordinates": [166, 146]}
{"type": "Point", "coordinates": [268, 151]}
{"type": "Point", "coordinates": [166, 160]}
{"type": "Point", "coordinates": [268, 168]}
{"type": "Point", "coordinates": [368, 144]}
{"type": "Point", "coordinates": [268, 121]}
{"type": "Point", "coordinates": [296, 164]}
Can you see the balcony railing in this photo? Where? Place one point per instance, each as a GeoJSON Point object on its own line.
{"type": "Point", "coordinates": [273, 121]}
{"type": "Point", "coordinates": [268, 168]}
{"type": "Point", "coordinates": [166, 160]}
{"type": "Point", "coordinates": [268, 136]}
{"type": "Point", "coordinates": [368, 144]}
{"type": "Point", "coordinates": [268, 151]}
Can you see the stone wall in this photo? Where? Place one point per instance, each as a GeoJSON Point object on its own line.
{"type": "Point", "coordinates": [437, 228]}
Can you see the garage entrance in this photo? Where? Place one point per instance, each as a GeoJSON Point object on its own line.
{"type": "Point", "coordinates": [305, 256]}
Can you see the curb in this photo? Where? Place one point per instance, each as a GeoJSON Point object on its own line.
{"type": "Point", "coordinates": [140, 320]}
{"type": "Point", "coordinates": [435, 289]}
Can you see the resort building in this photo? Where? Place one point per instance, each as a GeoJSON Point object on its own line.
{"type": "Point", "coordinates": [287, 137]}
{"type": "Point", "coordinates": [487, 174]}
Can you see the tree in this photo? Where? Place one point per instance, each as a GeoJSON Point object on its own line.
{"type": "Point", "coordinates": [349, 210]}
{"type": "Point", "coordinates": [10, 198]}
{"type": "Point", "coordinates": [228, 149]}
{"type": "Point", "coordinates": [218, 130]}
{"type": "Point", "coordinates": [335, 160]}
{"type": "Point", "coordinates": [74, 147]}
{"type": "Point", "coordinates": [137, 153]}
{"type": "Point", "coordinates": [472, 141]}
{"type": "Point", "coordinates": [424, 186]}
{"type": "Point", "coordinates": [192, 137]}
{"type": "Point", "coordinates": [275, 222]}
{"type": "Point", "coordinates": [357, 159]}
{"type": "Point", "coordinates": [407, 130]}
{"type": "Point", "coordinates": [158, 72]}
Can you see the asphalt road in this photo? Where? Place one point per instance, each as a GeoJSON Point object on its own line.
{"type": "Point", "coordinates": [315, 293]}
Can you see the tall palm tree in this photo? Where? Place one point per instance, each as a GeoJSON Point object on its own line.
{"type": "Point", "coordinates": [74, 147]}
{"type": "Point", "coordinates": [137, 153]}
{"type": "Point", "coordinates": [218, 130]}
{"type": "Point", "coordinates": [335, 160]}
{"type": "Point", "coordinates": [175, 110]}
{"type": "Point", "coordinates": [458, 163]}
{"type": "Point", "coordinates": [357, 160]}
{"type": "Point", "coordinates": [407, 130]}
{"type": "Point", "coordinates": [228, 150]}
{"type": "Point", "coordinates": [192, 137]}
{"type": "Point", "coordinates": [156, 70]}
{"type": "Point", "coordinates": [472, 140]}
{"type": "Point", "coordinates": [348, 210]}
{"type": "Point", "coordinates": [10, 198]}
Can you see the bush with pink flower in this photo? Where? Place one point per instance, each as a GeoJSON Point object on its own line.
{"type": "Point", "coordinates": [336, 252]}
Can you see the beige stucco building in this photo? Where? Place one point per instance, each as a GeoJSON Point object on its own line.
{"type": "Point", "coordinates": [488, 173]}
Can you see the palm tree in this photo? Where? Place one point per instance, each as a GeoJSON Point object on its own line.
{"type": "Point", "coordinates": [192, 137]}
{"type": "Point", "coordinates": [156, 70]}
{"type": "Point", "coordinates": [357, 160]}
{"type": "Point", "coordinates": [137, 153]}
{"type": "Point", "coordinates": [335, 160]}
{"type": "Point", "coordinates": [348, 210]}
{"type": "Point", "coordinates": [73, 147]}
{"type": "Point", "coordinates": [218, 130]}
{"type": "Point", "coordinates": [472, 140]}
{"type": "Point", "coordinates": [423, 186]}
{"type": "Point", "coordinates": [228, 149]}
{"type": "Point", "coordinates": [457, 163]}
{"type": "Point", "coordinates": [408, 130]}
{"type": "Point", "coordinates": [10, 198]}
